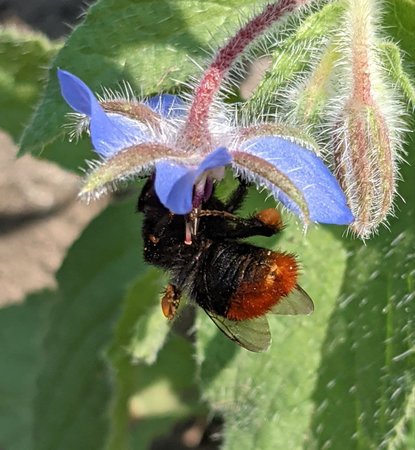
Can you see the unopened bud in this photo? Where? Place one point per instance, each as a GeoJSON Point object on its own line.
{"type": "Point", "coordinates": [366, 130]}
{"type": "Point", "coordinates": [365, 166]}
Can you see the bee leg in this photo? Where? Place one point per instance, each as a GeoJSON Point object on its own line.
{"type": "Point", "coordinates": [237, 197]}
{"type": "Point", "coordinates": [234, 201]}
{"type": "Point", "coordinates": [265, 223]}
{"type": "Point", "coordinates": [170, 301]}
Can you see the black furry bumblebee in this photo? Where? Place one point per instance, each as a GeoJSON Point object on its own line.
{"type": "Point", "coordinates": [236, 283]}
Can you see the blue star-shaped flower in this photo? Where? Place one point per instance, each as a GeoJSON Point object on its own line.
{"type": "Point", "coordinates": [136, 138]}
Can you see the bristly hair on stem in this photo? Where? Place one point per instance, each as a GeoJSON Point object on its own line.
{"type": "Point", "coordinates": [196, 130]}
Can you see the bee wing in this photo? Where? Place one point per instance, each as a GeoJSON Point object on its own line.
{"type": "Point", "coordinates": [297, 302]}
{"type": "Point", "coordinates": [252, 334]}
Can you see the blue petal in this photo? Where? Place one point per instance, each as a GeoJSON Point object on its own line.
{"type": "Point", "coordinates": [325, 198]}
{"type": "Point", "coordinates": [174, 186]}
{"type": "Point", "coordinates": [77, 94]}
{"type": "Point", "coordinates": [115, 133]}
{"type": "Point", "coordinates": [167, 105]}
{"type": "Point", "coordinates": [110, 133]}
{"type": "Point", "coordinates": [174, 183]}
{"type": "Point", "coordinates": [218, 158]}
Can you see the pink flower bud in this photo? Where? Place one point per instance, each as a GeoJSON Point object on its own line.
{"type": "Point", "coordinates": [366, 126]}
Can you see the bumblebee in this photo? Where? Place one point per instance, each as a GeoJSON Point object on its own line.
{"type": "Point", "coordinates": [236, 283]}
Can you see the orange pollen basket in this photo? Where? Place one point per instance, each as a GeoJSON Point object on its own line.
{"type": "Point", "coordinates": [170, 302]}
{"type": "Point", "coordinates": [271, 281]}
{"type": "Point", "coordinates": [270, 217]}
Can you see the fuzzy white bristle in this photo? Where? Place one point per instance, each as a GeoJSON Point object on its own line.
{"type": "Point", "coordinates": [76, 125]}
{"type": "Point", "coordinates": [362, 25]}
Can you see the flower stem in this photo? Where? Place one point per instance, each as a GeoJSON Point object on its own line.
{"type": "Point", "coordinates": [196, 133]}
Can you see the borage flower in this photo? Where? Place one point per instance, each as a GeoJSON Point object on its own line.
{"type": "Point", "coordinates": [188, 147]}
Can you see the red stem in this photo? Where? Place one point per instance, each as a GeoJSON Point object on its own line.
{"type": "Point", "coordinates": [196, 128]}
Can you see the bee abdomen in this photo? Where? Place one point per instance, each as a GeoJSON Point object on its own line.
{"type": "Point", "coordinates": [241, 281]}
{"type": "Point", "coordinates": [263, 286]}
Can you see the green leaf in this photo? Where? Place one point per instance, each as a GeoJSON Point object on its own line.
{"type": "Point", "coordinates": [145, 43]}
{"type": "Point", "coordinates": [150, 332]}
{"type": "Point", "coordinates": [139, 335]}
{"type": "Point", "coordinates": [392, 59]}
{"type": "Point", "coordinates": [150, 399]}
{"type": "Point", "coordinates": [400, 16]}
{"type": "Point", "coordinates": [74, 386]}
{"type": "Point", "coordinates": [148, 429]}
{"type": "Point", "coordinates": [174, 374]}
{"type": "Point", "coordinates": [405, 436]}
{"type": "Point", "coordinates": [22, 329]}
{"type": "Point", "coordinates": [165, 393]}
{"type": "Point", "coordinates": [23, 66]}
{"type": "Point", "coordinates": [369, 353]}
{"type": "Point", "coordinates": [368, 356]}
{"type": "Point", "coordinates": [266, 398]}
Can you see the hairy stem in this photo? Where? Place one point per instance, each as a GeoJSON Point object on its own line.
{"type": "Point", "coordinates": [196, 133]}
